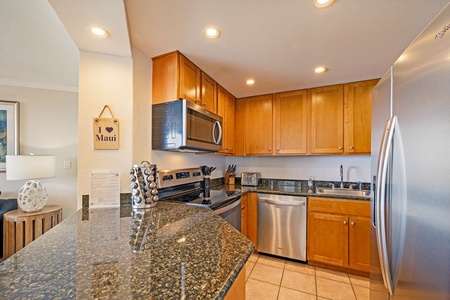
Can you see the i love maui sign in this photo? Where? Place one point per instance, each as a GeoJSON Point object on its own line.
{"type": "Point", "coordinates": [106, 133]}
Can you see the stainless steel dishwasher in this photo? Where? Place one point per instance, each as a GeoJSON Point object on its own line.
{"type": "Point", "coordinates": [282, 225]}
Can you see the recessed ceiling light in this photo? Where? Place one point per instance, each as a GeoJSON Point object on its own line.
{"type": "Point", "coordinates": [99, 32]}
{"type": "Point", "coordinates": [322, 3]}
{"type": "Point", "coordinates": [211, 33]}
{"type": "Point", "coordinates": [319, 70]}
{"type": "Point", "coordinates": [250, 82]}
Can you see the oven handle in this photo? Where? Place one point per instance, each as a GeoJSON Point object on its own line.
{"type": "Point", "coordinates": [228, 207]}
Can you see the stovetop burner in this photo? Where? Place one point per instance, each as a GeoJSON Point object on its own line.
{"type": "Point", "coordinates": [186, 187]}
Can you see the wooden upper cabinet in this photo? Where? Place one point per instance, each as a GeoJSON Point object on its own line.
{"type": "Point", "coordinates": [240, 129]}
{"type": "Point", "coordinates": [289, 122]}
{"type": "Point", "coordinates": [175, 77]}
{"type": "Point", "coordinates": [226, 109]}
{"type": "Point", "coordinates": [165, 78]}
{"type": "Point", "coordinates": [190, 76]}
{"type": "Point", "coordinates": [358, 116]}
{"type": "Point", "coordinates": [327, 116]}
{"type": "Point", "coordinates": [258, 125]}
{"type": "Point", "coordinates": [209, 93]}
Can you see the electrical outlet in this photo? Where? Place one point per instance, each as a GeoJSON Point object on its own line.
{"type": "Point", "coordinates": [67, 164]}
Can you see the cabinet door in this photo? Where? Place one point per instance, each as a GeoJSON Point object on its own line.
{"type": "Point", "coordinates": [258, 125]}
{"type": "Point", "coordinates": [189, 81]}
{"type": "Point", "coordinates": [240, 129]}
{"type": "Point", "coordinates": [165, 78]}
{"type": "Point", "coordinates": [359, 243]}
{"type": "Point", "coordinates": [289, 122]}
{"type": "Point", "coordinates": [209, 93]}
{"type": "Point", "coordinates": [328, 238]}
{"type": "Point", "coordinates": [358, 116]}
{"type": "Point", "coordinates": [327, 124]}
{"type": "Point", "coordinates": [244, 210]}
{"type": "Point", "coordinates": [252, 218]}
{"type": "Point", "coordinates": [226, 109]}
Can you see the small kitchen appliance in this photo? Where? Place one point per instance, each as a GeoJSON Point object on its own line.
{"type": "Point", "coordinates": [250, 178]}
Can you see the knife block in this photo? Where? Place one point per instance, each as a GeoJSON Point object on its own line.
{"type": "Point", "coordinates": [229, 178]}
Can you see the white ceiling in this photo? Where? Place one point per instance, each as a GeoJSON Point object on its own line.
{"type": "Point", "coordinates": [35, 49]}
{"type": "Point", "coordinates": [277, 43]}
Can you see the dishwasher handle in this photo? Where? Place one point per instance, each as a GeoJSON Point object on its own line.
{"type": "Point", "coordinates": [283, 203]}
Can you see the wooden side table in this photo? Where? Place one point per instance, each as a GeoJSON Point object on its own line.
{"type": "Point", "coordinates": [21, 228]}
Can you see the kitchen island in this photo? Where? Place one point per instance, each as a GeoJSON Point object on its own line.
{"type": "Point", "coordinates": [172, 251]}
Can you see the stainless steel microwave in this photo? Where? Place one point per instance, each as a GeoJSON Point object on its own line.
{"type": "Point", "coordinates": [181, 125]}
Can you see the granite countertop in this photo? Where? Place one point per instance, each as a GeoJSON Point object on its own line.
{"type": "Point", "coordinates": [172, 251]}
{"type": "Point", "coordinates": [291, 190]}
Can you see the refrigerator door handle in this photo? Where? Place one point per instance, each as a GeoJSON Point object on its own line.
{"type": "Point", "coordinates": [381, 207]}
{"type": "Point", "coordinates": [381, 158]}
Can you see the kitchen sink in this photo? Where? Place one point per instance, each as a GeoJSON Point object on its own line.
{"type": "Point", "coordinates": [343, 191]}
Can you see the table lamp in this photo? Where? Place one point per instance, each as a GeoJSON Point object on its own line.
{"type": "Point", "coordinates": [33, 195]}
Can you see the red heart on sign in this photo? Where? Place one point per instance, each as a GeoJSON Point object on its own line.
{"type": "Point", "coordinates": [109, 129]}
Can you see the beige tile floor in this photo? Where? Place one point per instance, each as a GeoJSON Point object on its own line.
{"type": "Point", "coordinates": [269, 278]}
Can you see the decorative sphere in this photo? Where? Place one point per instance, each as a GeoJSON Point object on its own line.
{"type": "Point", "coordinates": [32, 196]}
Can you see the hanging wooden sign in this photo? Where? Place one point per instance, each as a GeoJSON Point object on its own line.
{"type": "Point", "coordinates": [106, 132]}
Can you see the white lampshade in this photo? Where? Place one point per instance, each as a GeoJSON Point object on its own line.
{"type": "Point", "coordinates": [33, 195]}
{"type": "Point", "coordinates": [19, 167]}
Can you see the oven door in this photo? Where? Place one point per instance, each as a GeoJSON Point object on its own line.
{"type": "Point", "coordinates": [231, 213]}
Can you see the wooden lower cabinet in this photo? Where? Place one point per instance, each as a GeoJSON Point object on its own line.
{"type": "Point", "coordinates": [339, 234]}
{"type": "Point", "coordinates": [244, 210]}
{"type": "Point", "coordinates": [237, 289]}
{"type": "Point", "coordinates": [252, 218]}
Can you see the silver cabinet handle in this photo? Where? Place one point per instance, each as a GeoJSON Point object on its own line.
{"type": "Point", "coordinates": [345, 222]}
{"type": "Point", "coordinates": [340, 148]}
{"type": "Point", "coordinates": [351, 147]}
{"type": "Point", "coordinates": [353, 223]}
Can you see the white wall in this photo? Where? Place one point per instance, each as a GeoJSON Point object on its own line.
{"type": "Point", "coordinates": [48, 126]}
{"type": "Point", "coordinates": [104, 80]}
{"type": "Point", "coordinates": [356, 168]}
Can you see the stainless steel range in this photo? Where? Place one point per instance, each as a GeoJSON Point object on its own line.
{"type": "Point", "coordinates": [186, 186]}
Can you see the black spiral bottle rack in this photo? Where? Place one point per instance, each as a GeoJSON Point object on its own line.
{"type": "Point", "coordinates": [144, 193]}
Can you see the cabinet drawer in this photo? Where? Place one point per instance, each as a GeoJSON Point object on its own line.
{"type": "Point", "coordinates": [339, 206]}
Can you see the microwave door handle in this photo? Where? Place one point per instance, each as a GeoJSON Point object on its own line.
{"type": "Point", "coordinates": [219, 139]}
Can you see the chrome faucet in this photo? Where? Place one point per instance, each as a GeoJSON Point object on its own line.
{"type": "Point", "coordinates": [341, 173]}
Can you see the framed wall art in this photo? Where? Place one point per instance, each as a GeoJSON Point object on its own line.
{"type": "Point", "coordinates": [9, 131]}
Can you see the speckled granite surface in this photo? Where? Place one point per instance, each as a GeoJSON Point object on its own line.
{"type": "Point", "coordinates": [172, 251]}
{"type": "Point", "coordinates": [292, 190]}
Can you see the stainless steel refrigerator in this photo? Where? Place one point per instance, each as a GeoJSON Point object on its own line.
{"type": "Point", "coordinates": [410, 206]}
